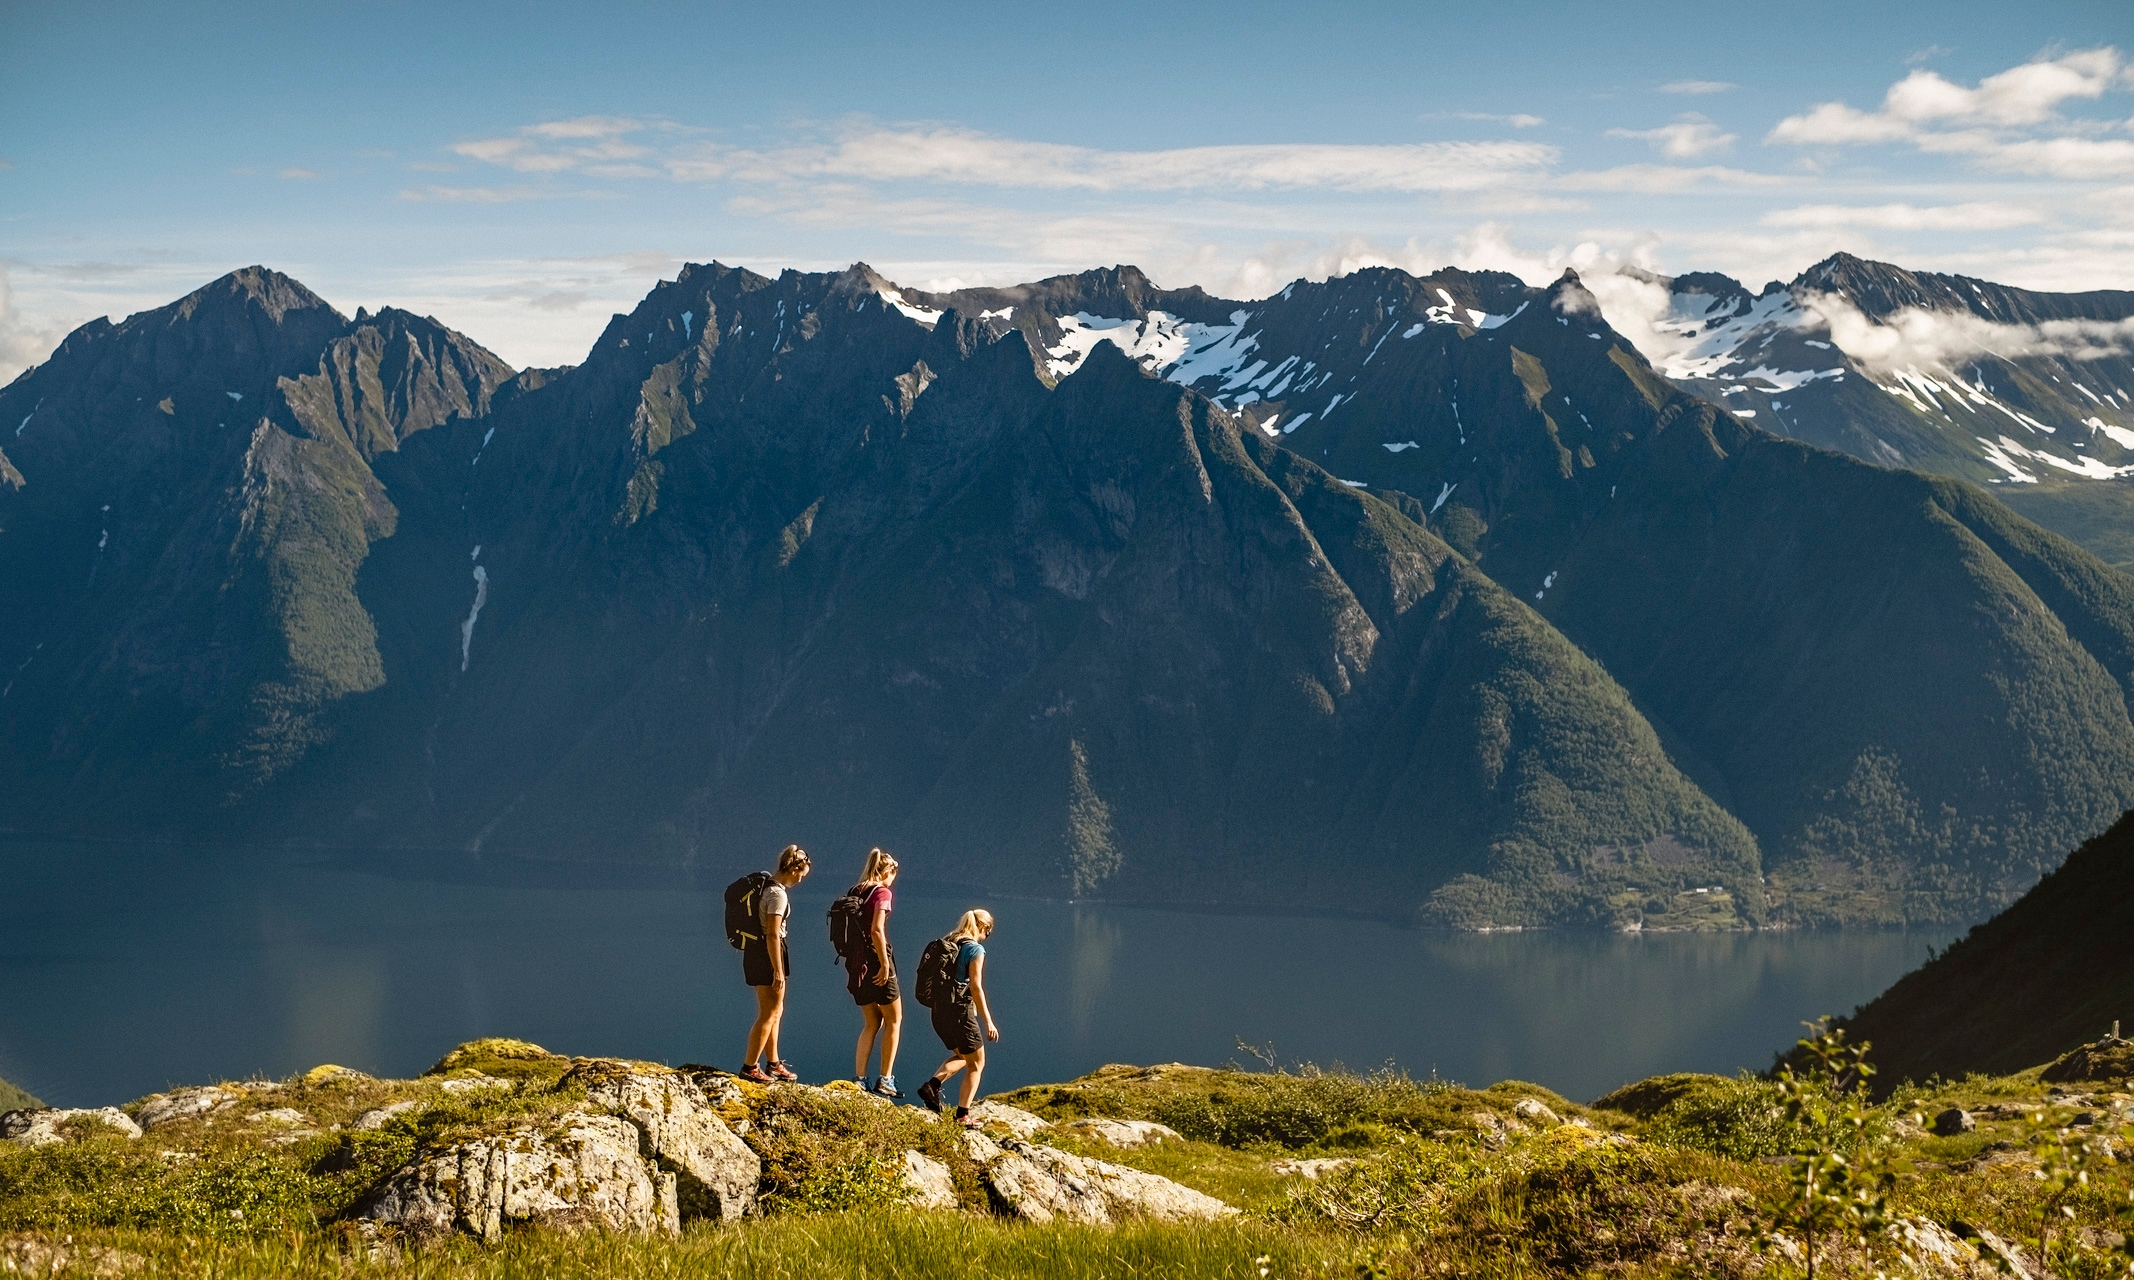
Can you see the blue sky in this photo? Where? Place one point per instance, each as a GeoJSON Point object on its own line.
{"type": "Point", "coordinates": [523, 171]}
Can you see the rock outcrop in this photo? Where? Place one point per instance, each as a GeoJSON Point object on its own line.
{"type": "Point", "coordinates": [1124, 1134]}
{"type": "Point", "coordinates": [641, 1149]}
{"type": "Point", "coordinates": [1015, 1120]}
{"type": "Point", "coordinates": [682, 1131]}
{"type": "Point", "coordinates": [184, 1104]}
{"type": "Point", "coordinates": [2111, 1058]}
{"type": "Point", "coordinates": [584, 1171]}
{"type": "Point", "coordinates": [928, 1183]}
{"type": "Point", "coordinates": [1038, 1183]}
{"type": "Point", "coordinates": [42, 1126]}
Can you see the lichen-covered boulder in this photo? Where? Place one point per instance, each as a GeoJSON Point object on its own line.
{"type": "Point", "coordinates": [928, 1183]}
{"type": "Point", "coordinates": [1042, 1184]}
{"type": "Point", "coordinates": [1015, 1120]}
{"type": "Point", "coordinates": [1535, 1111]}
{"type": "Point", "coordinates": [682, 1129]}
{"type": "Point", "coordinates": [42, 1126]}
{"type": "Point", "coordinates": [580, 1171]}
{"type": "Point", "coordinates": [184, 1104]}
{"type": "Point", "coordinates": [1124, 1134]}
{"type": "Point", "coordinates": [376, 1117]}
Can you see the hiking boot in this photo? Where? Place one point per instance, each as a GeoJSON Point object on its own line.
{"type": "Point", "coordinates": [886, 1087]}
{"type": "Point", "coordinates": [930, 1094]}
{"type": "Point", "coordinates": [755, 1075]}
{"type": "Point", "coordinates": [784, 1071]}
{"type": "Point", "coordinates": [969, 1121]}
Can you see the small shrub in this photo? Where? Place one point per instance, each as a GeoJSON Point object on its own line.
{"type": "Point", "coordinates": [1742, 1119]}
{"type": "Point", "coordinates": [825, 1153]}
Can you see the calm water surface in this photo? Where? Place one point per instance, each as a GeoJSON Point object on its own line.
{"type": "Point", "coordinates": [126, 971]}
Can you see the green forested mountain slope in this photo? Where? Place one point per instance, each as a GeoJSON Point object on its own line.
{"type": "Point", "coordinates": [1426, 593]}
{"type": "Point", "coordinates": [2049, 973]}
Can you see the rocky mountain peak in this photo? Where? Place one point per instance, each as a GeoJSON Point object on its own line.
{"type": "Point", "coordinates": [268, 290]}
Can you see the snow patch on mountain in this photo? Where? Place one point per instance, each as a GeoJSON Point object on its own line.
{"type": "Point", "coordinates": [466, 629]}
{"type": "Point", "coordinates": [896, 299]}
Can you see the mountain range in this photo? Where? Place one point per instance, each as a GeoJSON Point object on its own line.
{"type": "Point", "coordinates": [1432, 597]}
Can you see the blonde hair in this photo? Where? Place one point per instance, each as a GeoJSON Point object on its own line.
{"type": "Point", "coordinates": [792, 858]}
{"type": "Point", "coordinates": [976, 924]}
{"type": "Point", "coordinates": [880, 866]}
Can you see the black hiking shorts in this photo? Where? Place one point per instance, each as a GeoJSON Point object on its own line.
{"type": "Point", "coordinates": [756, 964]}
{"type": "Point", "coordinates": [957, 1025]}
{"type": "Point", "coordinates": [871, 991]}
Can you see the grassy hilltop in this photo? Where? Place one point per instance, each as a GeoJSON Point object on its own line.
{"type": "Point", "coordinates": [1332, 1174]}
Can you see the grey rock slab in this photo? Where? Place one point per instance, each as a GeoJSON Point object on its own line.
{"type": "Point", "coordinates": [40, 1126]}
{"type": "Point", "coordinates": [184, 1104]}
{"type": "Point", "coordinates": [1042, 1184]}
{"type": "Point", "coordinates": [279, 1115]}
{"type": "Point", "coordinates": [928, 1183]}
{"type": "Point", "coordinates": [582, 1171]}
{"type": "Point", "coordinates": [376, 1117]}
{"type": "Point", "coordinates": [683, 1131]}
{"type": "Point", "coordinates": [1015, 1120]}
{"type": "Point", "coordinates": [1124, 1134]}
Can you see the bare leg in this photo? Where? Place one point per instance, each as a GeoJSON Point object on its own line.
{"type": "Point", "coordinates": [870, 1023]}
{"type": "Point", "coordinates": [761, 1032]}
{"type": "Point", "coordinates": [777, 1015]}
{"type": "Point", "coordinates": [892, 1031]}
{"type": "Point", "coordinates": [970, 1082]}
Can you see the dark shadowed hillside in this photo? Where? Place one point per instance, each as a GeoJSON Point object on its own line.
{"type": "Point", "coordinates": [2051, 972]}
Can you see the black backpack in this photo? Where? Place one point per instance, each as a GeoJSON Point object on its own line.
{"type": "Point", "coordinates": [744, 921]}
{"type": "Point", "coordinates": [848, 922]}
{"type": "Point", "coordinates": [937, 987]}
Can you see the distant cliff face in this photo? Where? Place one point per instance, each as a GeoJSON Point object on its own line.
{"type": "Point", "coordinates": [2051, 972]}
{"type": "Point", "coordinates": [1425, 595]}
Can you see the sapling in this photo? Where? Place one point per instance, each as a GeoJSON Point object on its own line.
{"type": "Point", "coordinates": [1838, 1184]}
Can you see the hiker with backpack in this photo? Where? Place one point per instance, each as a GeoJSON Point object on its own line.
{"type": "Point", "coordinates": [952, 985]}
{"type": "Point", "coordinates": [859, 933]}
{"type": "Point", "coordinates": [756, 911]}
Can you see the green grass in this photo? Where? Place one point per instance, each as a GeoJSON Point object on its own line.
{"type": "Point", "coordinates": [877, 1246]}
{"type": "Point", "coordinates": [1673, 1176]}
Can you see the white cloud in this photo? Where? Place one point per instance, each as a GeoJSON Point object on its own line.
{"type": "Point", "coordinates": [1686, 138]}
{"type": "Point", "coordinates": [604, 146]}
{"type": "Point", "coordinates": [1978, 216]}
{"type": "Point", "coordinates": [1518, 120]}
{"type": "Point", "coordinates": [1659, 178]}
{"type": "Point", "coordinates": [294, 174]}
{"type": "Point", "coordinates": [23, 342]}
{"type": "Point", "coordinates": [1921, 339]}
{"type": "Point", "coordinates": [434, 194]}
{"type": "Point", "coordinates": [968, 157]}
{"type": "Point", "coordinates": [1698, 86]}
{"type": "Point", "coordinates": [593, 144]}
{"type": "Point", "coordinates": [2009, 122]}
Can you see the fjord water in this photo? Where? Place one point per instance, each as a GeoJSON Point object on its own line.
{"type": "Point", "coordinates": [126, 971]}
